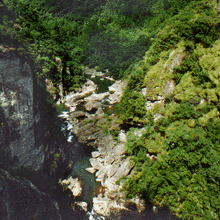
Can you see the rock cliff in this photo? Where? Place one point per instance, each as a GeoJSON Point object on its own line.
{"type": "Point", "coordinates": [32, 145]}
{"type": "Point", "coordinates": [28, 117]}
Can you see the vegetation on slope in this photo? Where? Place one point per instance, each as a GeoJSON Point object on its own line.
{"type": "Point", "coordinates": [140, 40]}
{"type": "Point", "coordinates": [185, 177]}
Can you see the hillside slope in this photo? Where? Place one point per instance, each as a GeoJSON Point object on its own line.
{"type": "Point", "coordinates": [177, 156]}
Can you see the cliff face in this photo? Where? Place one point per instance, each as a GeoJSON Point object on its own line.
{"type": "Point", "coordinates": [16, 97]}
{"type": "Point", "coordinates": [30, 134]}
{"type": "Point", "coordinates": [33, 129]}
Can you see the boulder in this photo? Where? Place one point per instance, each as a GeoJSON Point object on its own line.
{"type": "Point", "coordinates": [72, 184]}
{"type": "Point", "coordinates": [124, 169]}
{"type": "Point", "coordinates": [168, 87]}
{"type": "Point", "coordinates": [122, 137]}
{"type": "Point", "coordinates": [89, 87]}
{"type": "Point", "coordinates": [73, 97]}
{"type": "Point", "coordinates": [95, 163]}
{"type": "Point", "coordinates": [112, 169]}
{"type": "Point", "coordinates": [96, 97]}
{"type": "Point", "coordinates": [90, 170]}
{"type": "Point", "coordinates": [110, 185]}
{"type": "Point", "coordinates": [144, 91]}
{"type": "Point", "coordinates": [102, 177]}
{"type": "Point", "coordinates": [119, 149]}
{"type": "Point", "coordinates": [114, 98]}
{"type": "Point", "coordinates": [116, 89]}
{"type": "Point", "coordinates": [92, 105]}
{"type": "Point", "coordinates": [138, 132]}
{"type": "Point", "coordinates": [93, 72]}
{"type": "Point", "coordinates": [50, 88]}
{"type": "Point", "coordinates": [105, 145]}
{"type": "Point", "coordinates": [150, 104]}
{"type": "Point", "coordinates": [77, 114]}
{"type": "Point", "coordinates": [109, 159]}
{"type": "Point", "coordinates": [177, 60]}
{"type": "Point", "coordinates": [82, 206]}
{"type": "Point", "coordinates": [100, 206]}
{"type": "Point", "coordinates": [218, 6]}
{"type": "Point", "coordinates": [3, 49]}
{"type": "Point", "coordinates": [95, 154]}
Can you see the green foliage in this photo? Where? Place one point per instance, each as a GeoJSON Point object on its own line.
{"type": "Point", "coordinates": [114, 49]}
{"type": "Point", "coordinates": [115, 35]}
{"type": "Point", "coordinates": [186, 174]}
{"type": "Point", "coordinates": [55, 160]}
{"type": "Point", "coordinates": [47, 37]}
{"type": "Point", "coordinates": [132, 107]}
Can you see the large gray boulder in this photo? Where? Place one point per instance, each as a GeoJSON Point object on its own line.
{"type": "Point", "coordinates": [96, 97]}
{"type": "Point", "coordinates": [124, 169]}
{"type": "Point", "coordinates": [116, 91]}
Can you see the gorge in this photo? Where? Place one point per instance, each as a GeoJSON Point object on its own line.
{"type": "Point", "coordinates": [109, 109]}
{"type": "Point", "coordinates": [33, 137]}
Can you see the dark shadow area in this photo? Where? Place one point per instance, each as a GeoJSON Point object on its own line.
{"type": "Point", "coordinates": [7, 134]}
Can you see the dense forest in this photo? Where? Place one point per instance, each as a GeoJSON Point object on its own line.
{"type": "Point", "coordinates": [138, 40]}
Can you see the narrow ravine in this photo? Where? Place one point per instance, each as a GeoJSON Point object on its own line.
{"type": "Point", "coordinates": [83, 154]}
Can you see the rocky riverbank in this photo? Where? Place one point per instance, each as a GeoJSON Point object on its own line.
{"type": "Point", "coordinates": [94, 128]}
